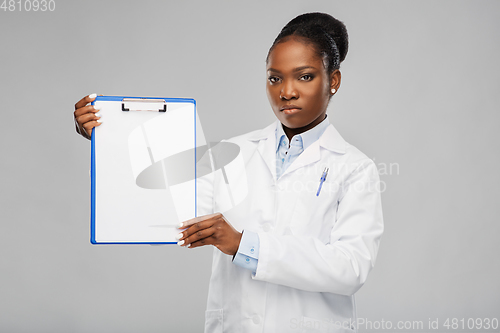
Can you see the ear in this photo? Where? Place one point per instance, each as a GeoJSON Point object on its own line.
{"type": "Point", "coordinates": [335, 79]}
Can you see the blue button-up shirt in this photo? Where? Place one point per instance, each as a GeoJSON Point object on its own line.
{"type": "Point", "coordinates": [286, 152]}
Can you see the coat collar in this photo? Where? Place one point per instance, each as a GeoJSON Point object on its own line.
{"type": "Point", "coordinates": [330, 139]}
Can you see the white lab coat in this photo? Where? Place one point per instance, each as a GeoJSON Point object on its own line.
{"type": "Point", "coordinates": [315, 251]}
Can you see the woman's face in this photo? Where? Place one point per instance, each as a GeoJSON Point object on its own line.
{"type": "Point", "coordinates": [298, 85]}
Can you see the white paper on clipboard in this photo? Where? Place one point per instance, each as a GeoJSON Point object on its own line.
{"type": "Point", "coordinates": [144, 169]}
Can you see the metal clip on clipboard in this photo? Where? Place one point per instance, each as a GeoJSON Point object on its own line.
{"type": "Point", "coordinates": [144, 104]}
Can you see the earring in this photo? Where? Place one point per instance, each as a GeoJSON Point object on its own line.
{"type": "Point", "coordinates": [333, 91]}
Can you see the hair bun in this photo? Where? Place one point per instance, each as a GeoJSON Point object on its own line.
{"type": "Point", "coordinates": [333, 27]}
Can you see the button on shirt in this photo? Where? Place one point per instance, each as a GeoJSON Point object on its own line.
{"type": "Point", "coordinates": [286, 152]}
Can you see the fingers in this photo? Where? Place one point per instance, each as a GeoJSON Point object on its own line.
{"type": "Point", "coordinates": [90, 126]}
{"type": "Point", "coordinates": [199, 238]}
{"type": "Point", "coordinates": [84, 101]}
{"type": "Point", "coordinates": [198, 219]}
{"type": "Point", "coordinates": [196, 228]}
{"type": "Point", "coordinates": [86, 116]}
{"type": "Point", "coordinates": [86, 109]}
{"type": "Point", "coordinates": [88, 121]}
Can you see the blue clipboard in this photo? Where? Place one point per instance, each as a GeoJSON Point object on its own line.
{"type": "Point", "coordinates": [143, 169]}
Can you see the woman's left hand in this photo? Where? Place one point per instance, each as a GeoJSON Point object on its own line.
{"type": "Point", "coordinates": [211, 229]}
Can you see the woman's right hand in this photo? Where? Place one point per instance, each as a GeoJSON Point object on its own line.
{"type": "Point", "coordinates": [86, 116]}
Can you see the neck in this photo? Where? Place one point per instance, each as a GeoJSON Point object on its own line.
{"type": "Point", "coordinates": [290, 132]}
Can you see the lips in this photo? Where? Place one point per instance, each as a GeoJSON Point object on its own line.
{"type": "Point", "coordinates": [290, 108]}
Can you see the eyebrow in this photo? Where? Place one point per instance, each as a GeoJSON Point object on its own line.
{"type": "Point", "coordinates": [298, 69]}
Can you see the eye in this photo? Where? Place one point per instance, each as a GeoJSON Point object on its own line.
{"type": "Point", "coordinates": [306, 77]}
{"type": "Point", "coordinates": [273, 79]}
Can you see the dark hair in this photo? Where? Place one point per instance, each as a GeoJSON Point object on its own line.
{"type": "Point", "coordinates": [326, 33]}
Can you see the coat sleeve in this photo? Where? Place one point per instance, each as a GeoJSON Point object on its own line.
{"type": "Point", "coordinates": [342, 265]}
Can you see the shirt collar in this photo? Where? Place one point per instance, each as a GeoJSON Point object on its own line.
{"type": "Point", "coordinates": [331, 138]}
{"type": "Point", "coordinates": [307, 137]}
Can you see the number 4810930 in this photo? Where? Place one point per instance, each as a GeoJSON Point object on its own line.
{"type": "Point", "coordinates": [28, 5]}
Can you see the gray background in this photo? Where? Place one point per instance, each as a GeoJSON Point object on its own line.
{"type": "Point", "coordinates": [419, 91]}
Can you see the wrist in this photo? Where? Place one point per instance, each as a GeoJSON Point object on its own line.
{"type": "Point", "coordinates": [238, 242]}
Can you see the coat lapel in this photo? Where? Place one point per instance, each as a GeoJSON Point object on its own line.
{"type": "Point", "coordinates": [308, 156]}
{"type": "Point", "coordinates": [267, 146]}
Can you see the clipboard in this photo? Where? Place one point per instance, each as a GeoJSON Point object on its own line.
{"type": "Point", "coordinates": [143, 169]}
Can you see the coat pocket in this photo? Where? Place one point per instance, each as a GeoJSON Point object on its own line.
{"type": "Point", "coordinates": [314, 215]}
{"type": "Point", "coordinates": [214, 321]}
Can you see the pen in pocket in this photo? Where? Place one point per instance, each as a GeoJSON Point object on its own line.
{"type": "Point", "coordinates": [323, 178]}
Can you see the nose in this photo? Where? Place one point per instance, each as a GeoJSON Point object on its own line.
{"type": "Point", "coordinates": [288, 91]}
